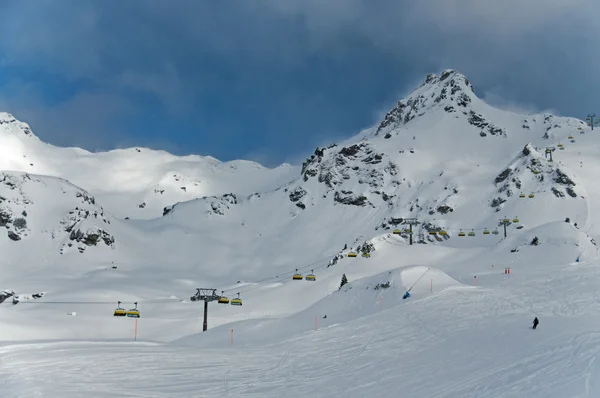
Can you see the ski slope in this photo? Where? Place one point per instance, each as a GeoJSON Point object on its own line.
{"type": "Point", "coordinates": [464, 332]}
{"type": "Point", "coordinates": [461, 341]}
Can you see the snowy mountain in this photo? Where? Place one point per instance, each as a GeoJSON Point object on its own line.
{"type": "Point", "coordinates": [133, 182]}
{"type": "Point", "coordinates": [78, 240]}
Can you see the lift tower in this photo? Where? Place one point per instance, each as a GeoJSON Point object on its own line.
{"type": "Point", "coordinates": [206, 295]}
{"type": "Point", "coordinates": [410, 222]}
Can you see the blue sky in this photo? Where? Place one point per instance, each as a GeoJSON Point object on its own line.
{"type": "Point", "coordinates": [269, 80]}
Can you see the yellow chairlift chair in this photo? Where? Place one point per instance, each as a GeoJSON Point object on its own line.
{"type": "Point", "coordinates": [134, 312]}
{"type": "Point", "coordinates": [120, 311]}
{"type": "Point", "coordinates": [223, 299]}
{"type": "Point", "coordinates": [297, 276]}
{"type": "Point", "coordinates": [236, 301]}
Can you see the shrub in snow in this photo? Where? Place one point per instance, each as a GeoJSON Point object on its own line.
{"type": "Point", "coordinates": [366, 247]}
{"type": "Point", "coordinates": [382, 285]}
{"type": "Point", "coordinates": [20, 223]}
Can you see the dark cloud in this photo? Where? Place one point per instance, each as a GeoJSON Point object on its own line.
{"type": "Point", "coordinates": [276, 78]}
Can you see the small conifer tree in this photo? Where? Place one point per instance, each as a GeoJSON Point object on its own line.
{"type": "Point", "coordinates": [344, 280]}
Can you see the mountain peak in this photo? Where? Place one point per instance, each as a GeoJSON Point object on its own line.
{"type": "Point", "coordinates": [15, 126]}
{"type": "Point", "coordinates": [452, 74]}
{"type": "Point", "coordinates": [449, 91]}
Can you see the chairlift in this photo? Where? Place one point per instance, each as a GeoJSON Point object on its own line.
{"type": "Point", "coordinates": [443, 233]}
{"type": "Point", "coordinates": [236, 301]}
{"type": "Point", "coordinates": [366, 254]}
{"type": "Point", "coordinates": [572, 141]}
{"type": "Point", "coordinates": [432, 232]}
{"type": "Point", "coordinates": [515, 220]}
{"type": "Point", "coordinates": [397, 232]}
{"type": "Point", "coordinates": [531, 195]}
{"type": "Point", "coordinates": [472, 233]}
{"type": "Point", "coordinates": [570, 137]}
{"type": "Point", "coordinates": [461, 233]}
{"type": "Point", "coordinates": [297, 276]}
{"type": "Point", "coordinates": [119, 311]}
{"type": "Point", "coordinates": [521, 195]}
{"type": "Point", "coordinates": [486, 231]}
{"type": "Point", "coordinates": [506, 220]}
{"type": "Point", "coordinates": [311, 277]}
{"type": "Point", "coordinates": [133, 312]}
{"type": "Point", "coordinates": [351, 254]}
{"type": "Point", "coordinates": [562, 148]}
{"type": "Point", "coordinates": [223, 299]}
{"type": "Point", "coordinates": [495, 232]}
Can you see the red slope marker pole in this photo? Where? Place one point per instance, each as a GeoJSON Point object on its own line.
{"type": "Point", "coordinates": [135, 330]}
{"type": "Point", "coordinates": [231, 337]}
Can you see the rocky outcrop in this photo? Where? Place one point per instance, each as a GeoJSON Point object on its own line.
{"type": "Point", "coordinates": [477, 120]}
{"type": "Point", "coordinates": [349, 198]}
{"type": "Point", "coordinates": [92, 237]}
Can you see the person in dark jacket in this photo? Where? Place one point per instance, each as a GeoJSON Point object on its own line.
{"type": "Point", "coordinates": [535, 322]}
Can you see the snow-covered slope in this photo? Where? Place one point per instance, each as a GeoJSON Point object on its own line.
{"type": "Point", "coordinates": [441, 156]}
{"type": "Point", "coordinates": [134, 182]}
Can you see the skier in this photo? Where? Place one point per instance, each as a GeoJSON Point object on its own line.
{"type": "Point", "coordinates": [535, 323]}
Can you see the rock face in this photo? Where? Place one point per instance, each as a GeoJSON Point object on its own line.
{"type": "Point", "coordinates": [531, 165]}
{"type": "Point", "coordinates": [451, 91]}
{"type": "Point", "coordinates": [49, 207]}
{"type": "Point", "coordinates": [361, 161]}
{"type": "Point", "coordinates": [91, 237]}
{"type": "Point", "coordinates": [4, 294]}
{"type": "Point", "coordinates": [11, 218]}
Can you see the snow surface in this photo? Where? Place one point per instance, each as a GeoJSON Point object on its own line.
{"type": "Point", "coordinates": [464, 332]}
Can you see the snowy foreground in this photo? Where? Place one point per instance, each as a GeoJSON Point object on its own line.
{"type": "Point", "coordinates": [462, 341]}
